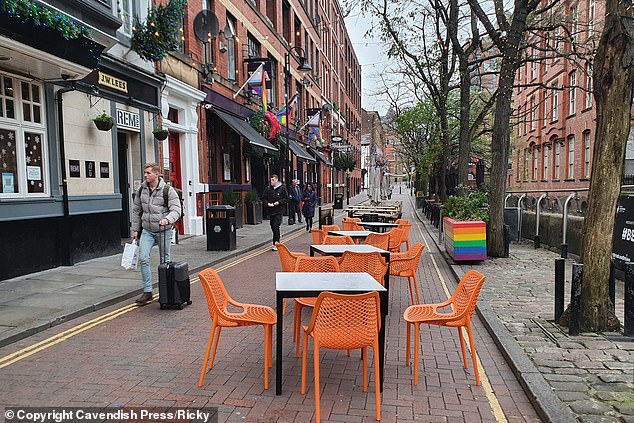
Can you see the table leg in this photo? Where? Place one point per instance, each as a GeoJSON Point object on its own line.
{"type": "Point", "coordinates": [383, 296]}
{"type": "Point", "coordinates": [312, 251]}
{"type": "Point", "coordinates": [278, 347]}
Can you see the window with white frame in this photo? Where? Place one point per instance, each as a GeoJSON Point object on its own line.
{"type": "Point", "coordinates": [571, 157]}
{"type": "Point", "coordinates": [23, 160]}
{"type": "Point", "coordinates": [574, 29]}
{"type": "Point", "coordinates": [526, 163]}
{"type": "Point", "coordinates": [586, 154]}
{"type": "Point", "coordinates": [534, 67]}
{"type": "Point", "coordinates": [230, 35]}
{"type": "Point", "coordinates": [546, 159]}
{"type": "Point", "coordinates": [535, 163]}
{"type": "Point", "coordinates": [519, 120]}
{"type": "Point", "coordinates": [557, 166]}
{"type": "Point", "coordinates": [589, 94]}
{"type": "Point", "coordinates": [572, 108]}
{"type": "Point", "coordinates": [533, 112]}
{"type": "Point", "coordinates": [555, 102]}
{"type": "Point", "coordinates": [590, 18]}
{"type": "Point", "coordinates": [127, 14]}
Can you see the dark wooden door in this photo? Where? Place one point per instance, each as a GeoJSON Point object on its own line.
{"type": "Point", "coordinates": [175, 170]}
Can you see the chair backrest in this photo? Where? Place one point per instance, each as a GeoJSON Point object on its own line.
{"type": "Point", "coordinates": [215, 292]}
{"type": "Point", "coordinates": [346, 322]}
{"type": "Point", "coordinates": [338, 240]}
{"type": "Point", "coordinates": [372, 263]}
{"type": "Point", "coordinates": [287, 258]}
{"type": "Point", "coordinates": [328, 228]}
{"type": "Point", "coordinates": [465, 297]}
{"type": "Point", "coordinates": [351, 225]}
{"type": "Point", "coordinates": [396, 239]}
{"type": "Point", "coordinates": [318, 236]}
{"type": "Point", "coordinates": [400, 221]}
{"type": "Point", "coordinates": [405, 227]}
{"type": "Point", "coordinates": [378, 240]}
{"type": "Point", "coordinates": [316, 264]}
{"type": "Point", "coordinates": [353, 219]}
{"type": "Point", "coordinates": [407, 260]}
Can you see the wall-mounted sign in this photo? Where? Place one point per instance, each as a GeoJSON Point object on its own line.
{"type": "Point", "coordinates": [128, 120]}
{"type": "Point", "coordinates": [90, 169]}
{"type": "Point", "coordinates": [112, 82]}
{"type": "Point", "coordinates": [623, 240]}
{"type": "Point", "coordinates": [7, 183]}
{"type": "Point", "coordinates": [104, 169]}
{"type": "Point", "coordinates": [336, 138]}
{"type": "Point", "coordinates": [73, 168]}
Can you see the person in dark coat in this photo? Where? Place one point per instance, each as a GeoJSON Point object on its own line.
{"type": "Point", "coordinates": [310, 202]}
{"type": "Point", "coordinates": [275, 198]}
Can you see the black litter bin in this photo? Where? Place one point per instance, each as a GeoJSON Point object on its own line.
{"type": "Point", "coordinates": [221, 228]}
{"type": "Point", "coordinates": [325, 216]}
{"type": "Point", "coordinates": [338, 201]}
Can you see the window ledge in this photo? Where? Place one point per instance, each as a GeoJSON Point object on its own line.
{"type": "Point", "coordinates": [569, 180]}
{"type": "Point", "coordinates": [544, 180]}
{"type": "Point", "coordinates": [571, 115]}
{"type": "Point", "coordinates": [556, 180]}
{"type": "Point", "coordinates": [584, 179]}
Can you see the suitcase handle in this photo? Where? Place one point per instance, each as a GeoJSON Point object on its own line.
{"type": "Point", "coordinates": [162, 255]}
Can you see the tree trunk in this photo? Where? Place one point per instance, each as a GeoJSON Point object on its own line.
{"type": "Point", "coordinates": [613, 80]}
{"type": "Point", "coordinates": [464, 146]}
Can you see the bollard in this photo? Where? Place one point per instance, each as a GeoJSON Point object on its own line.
{"type": "Point", "coordinates": [319, 217]}
{"type": "Point", "coordinates": [628, 324]}
{"type": "Point", "coordinates": [612, 285]}
{"type": "Point", "coordinates": [507, 237]}
{"type": "Point", "coordinates": [560, 282]}
{"type": "Point", "coordinates": [574, 326]}
{"type": "Point", "coordinates": [536, 242]}
{"type": "Point", "coordinates": [564, 251]}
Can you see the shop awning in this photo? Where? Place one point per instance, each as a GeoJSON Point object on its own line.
{"type": "Point", "coordinates": [299, 151]}
{"type": "Point", "coordinates": [243, 128]}
{"type": "Point", "coordinates": [321, 157]}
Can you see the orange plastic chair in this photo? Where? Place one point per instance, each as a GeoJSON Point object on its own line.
{"type": "Point", "coordinates": [309, 264]}
{"type": "Point", "coordinates": [379, 240]}
{"type": "Point", "coordinates": [218, 301]}
{"type": "Point", "coordinates": [287, 260]}
{"type": "Point", "coordinates": [405, 227]}
{"type": "Point", "coordinates": [463, 303]}
{"type": "Point", "coordinates": [318, 236]}
{"type": "Point", "coordinates": [344, 322]}
{"type": "Point", "coordinates": [328, 228]}
{"type": "Point", "coordinates": [338, 240]}
{"type": "Point", "coordinates": [400, 221]}
{"type": "Point", "coordinates": [372, 263]}
{"type": "Point", "coordinates": [405, 265]}
{"type": "Point", "coordinates": [351, 225]}
{"type": "Point", "coordinates": [396, 239]}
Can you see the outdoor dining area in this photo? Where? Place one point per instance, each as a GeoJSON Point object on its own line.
{"type": "Point", "coordinates": [342, 290]}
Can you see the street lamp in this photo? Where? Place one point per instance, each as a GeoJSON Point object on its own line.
{"type": "Point", "coordinates": [347, 187]}
{"type": "Point", "coordinates": [304, 66]}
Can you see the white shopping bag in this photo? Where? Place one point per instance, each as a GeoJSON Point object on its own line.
{"type": "Point", "coordinates": [173, 238]}
{"type": "Point", "coordinates": [130, 255]}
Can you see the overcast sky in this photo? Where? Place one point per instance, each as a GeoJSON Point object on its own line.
{"type": "Point", "coordinates": [371, 55]}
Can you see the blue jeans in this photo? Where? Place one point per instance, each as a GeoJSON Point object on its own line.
{"type": "Point", "coordinates": [146, 242]}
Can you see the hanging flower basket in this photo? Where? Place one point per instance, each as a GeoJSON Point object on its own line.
{"type": "Point", "coordinates": [103, 122]}
{"type": "Point", "coordinates": [160, 133]}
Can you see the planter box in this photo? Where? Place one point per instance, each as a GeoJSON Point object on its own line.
{"type": "Point", "coordinates": [254, 213]}
{"type": "Point", "coordinates": [465, 240]}
{"type": "Point", "coordinates": [239, 215]}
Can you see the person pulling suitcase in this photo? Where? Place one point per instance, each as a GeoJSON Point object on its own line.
{"type": "Point", "coordinates": [152, 218]}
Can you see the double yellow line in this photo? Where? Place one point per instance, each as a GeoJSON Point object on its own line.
{"type": "Point", "coordinates": [76, 330]}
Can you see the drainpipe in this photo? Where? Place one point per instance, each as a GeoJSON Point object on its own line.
{"type": "Point", "coordinates": [65, 232]}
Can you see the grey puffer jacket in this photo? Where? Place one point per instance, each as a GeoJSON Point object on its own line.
{"type": "Point", "coordinates": [149, 208]}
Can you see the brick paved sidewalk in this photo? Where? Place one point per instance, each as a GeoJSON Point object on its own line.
{"type": "Point", "coordinates": [588, 378]}
{"type": "Point", "coordinates": [148, 357]}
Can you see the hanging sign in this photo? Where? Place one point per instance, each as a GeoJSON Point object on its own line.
{"type": "Point", "coordinates": [112, 82]}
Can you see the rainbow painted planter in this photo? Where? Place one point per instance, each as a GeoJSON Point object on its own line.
{"type": "Point", "coordinates": [465, 240]}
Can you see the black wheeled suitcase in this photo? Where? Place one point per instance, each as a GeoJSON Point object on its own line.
{"type": "Point", "coordinates": [173, 283]}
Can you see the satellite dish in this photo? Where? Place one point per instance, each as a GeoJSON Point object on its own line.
{"type": "Point", "coordinates": [206, 24]}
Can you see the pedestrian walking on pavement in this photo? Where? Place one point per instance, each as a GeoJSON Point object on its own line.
{"type": "Point", "coordinates": [275, 198]}
{"type": "Point", "coordinates": [310, 202]}
{"type": "Point", "coordinates": [156, 208]}
{"type": "Point", "coordinates": [295, 197]}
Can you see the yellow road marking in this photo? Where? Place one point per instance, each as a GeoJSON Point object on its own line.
{"type": "Point", "coordinates": [498, 413]}
{"type": "Point", "coordinates": [76, 330]}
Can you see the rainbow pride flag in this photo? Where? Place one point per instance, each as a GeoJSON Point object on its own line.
{"type": "Point", "coordinates": [465, 241]}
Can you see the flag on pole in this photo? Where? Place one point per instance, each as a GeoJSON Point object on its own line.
{"type": "Point", "coordinates": [314, 129]}
{"type": "Point", "coordinates": [257, 80]}
{"type": "Point", "coordinates": [281, 114]}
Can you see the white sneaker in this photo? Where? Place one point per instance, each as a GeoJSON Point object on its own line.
{"type": "Point", "coordinates": [274, 248]}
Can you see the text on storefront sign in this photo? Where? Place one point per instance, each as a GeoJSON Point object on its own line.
{"type": "Point", "coordinates": [112, 82]}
